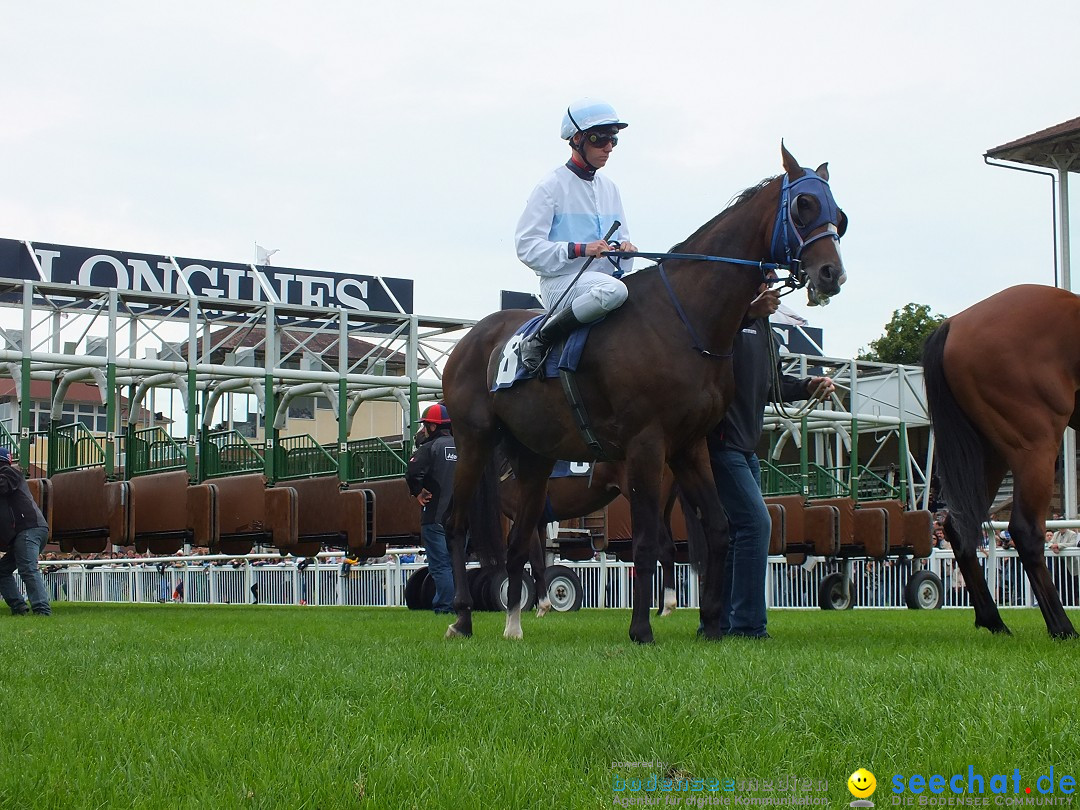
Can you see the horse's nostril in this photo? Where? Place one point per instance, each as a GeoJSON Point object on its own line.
{"type": "Point", "coordinates": [827, 272]}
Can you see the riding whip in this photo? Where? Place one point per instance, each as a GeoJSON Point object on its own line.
{"type": "Point", "coordinates": [614, 227]}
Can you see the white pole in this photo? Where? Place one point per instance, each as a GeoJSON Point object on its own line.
{"type": "Point", "coordinates": [1069, 444]}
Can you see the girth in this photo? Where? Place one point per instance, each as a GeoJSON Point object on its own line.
{"type": "Point", "coordinates": [581, 419]}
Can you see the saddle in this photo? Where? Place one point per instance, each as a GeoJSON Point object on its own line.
{"type": "Point", "coordinates": [562, 362]}
{"type": "Point", "coordinates": [563, 356]}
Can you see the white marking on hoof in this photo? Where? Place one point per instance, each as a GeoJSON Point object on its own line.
{"type": "Point", "coordinates": [670, 602]}
{"type": "Point", "coordinates": [543, 607]}
{"type": "Point", "coordinates": [453, 632]}
{"type": "Point", "coordinates": [513, 624]}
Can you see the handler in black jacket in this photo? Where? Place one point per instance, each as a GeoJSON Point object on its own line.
{"type": "Point", "coordinates": [737, 472]}
{"type": "Point", "coordinates": [23, 525]}
{"type": "Point", "coordinates": [430, 476]}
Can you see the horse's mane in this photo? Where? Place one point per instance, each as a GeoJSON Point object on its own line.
{"type": "Point", "coordinates": [743, 197]}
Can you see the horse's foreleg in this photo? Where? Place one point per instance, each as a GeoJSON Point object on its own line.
{"type": "Point", "coordinates": [693, 474]}
{"type": "Point", "coordinates": [643, 474]}
{"type": "Point", "coordinates": [537, 558]}
{"type": "Point", "coordinates": [516, 553]}
{"type": "Point", "coordinates": [462, 626]}
{"type": "Point", "coordinates": [533, 473]}
{"type": "Point", "coordinates": [666, 554]}
{"type": "Point", "coordinates": [475, 495]}
{"type": "Point", "coordinates": [1027, 528]}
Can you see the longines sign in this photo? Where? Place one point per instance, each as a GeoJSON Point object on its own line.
{"type": "Point", "coordinates": [140, 272]}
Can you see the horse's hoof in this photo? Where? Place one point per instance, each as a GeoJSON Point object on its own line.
{"type": "Point", "coordinates": [542, 608]}
{"type": "Point", "coordinates": [518, 636]}
{"type": "Point", "coordinates": [1064, 635]}
{"type": "Point", "coordinates": [641, 638]}
{"type": "Point", "coordinates": [998, 629]}
{"type": "Point", "coordinates": [453, 632]}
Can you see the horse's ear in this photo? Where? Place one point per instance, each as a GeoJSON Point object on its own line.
{"type": "Point", "coordinates": [822, 171]}
{"type": "Point", "coordinates": [791, 165]}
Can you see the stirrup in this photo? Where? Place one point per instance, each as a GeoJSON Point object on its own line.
{"type": "Point", "coordinates": [534, 363]}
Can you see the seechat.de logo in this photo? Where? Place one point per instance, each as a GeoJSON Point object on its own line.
{"type": "Point", "coordinates": [862, 785]}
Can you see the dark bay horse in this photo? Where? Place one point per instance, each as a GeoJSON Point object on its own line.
{"type": "Point", "coordinates": [655, 377]}
{"type": "Point", "coordinates": [1002, 382]}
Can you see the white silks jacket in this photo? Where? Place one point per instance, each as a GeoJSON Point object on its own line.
{"type": "Point", "coordinates": [563, 214]}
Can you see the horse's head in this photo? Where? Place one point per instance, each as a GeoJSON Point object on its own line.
{"type": "Point", "coordinates": [808, 228]}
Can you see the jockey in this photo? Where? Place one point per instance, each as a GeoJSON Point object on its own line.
{"type": "Point", "coordinates": [563, 228]}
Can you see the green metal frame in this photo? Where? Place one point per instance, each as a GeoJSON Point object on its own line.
{"type": "Point", "coordinates": [303, 457]}
{"type": "Point", "coordinates": [74, 447]}
{"type": "Point", "coordinates": [373, 459]}
{"type": "Point", "coordinates": [227, 452]}
{"type": "Point", "coordinates": [152, 450]}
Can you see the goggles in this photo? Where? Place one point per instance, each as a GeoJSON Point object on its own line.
{"type": "Point", "coordinates": [601, 139]}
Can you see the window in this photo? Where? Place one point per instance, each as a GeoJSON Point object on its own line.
{"type": "Point", "coordinates": [302, 408]}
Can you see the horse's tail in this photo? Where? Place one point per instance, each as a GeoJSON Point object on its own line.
{"type": "Point", "coordinates": [486, 539]}
{"type": "Point", "coordinates": [959, 453]}
{"type": "Point", "coordinates": [697, 545]}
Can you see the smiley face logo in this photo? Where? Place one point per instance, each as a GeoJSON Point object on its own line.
{"type": "Point", "coordinates": [862, 784]}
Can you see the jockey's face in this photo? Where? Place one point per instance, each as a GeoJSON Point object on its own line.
{"type": "Point", "coordinates": [595, 155]}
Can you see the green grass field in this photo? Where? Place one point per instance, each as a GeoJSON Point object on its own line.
{"type": "Point", "coordinates": [172, 706]}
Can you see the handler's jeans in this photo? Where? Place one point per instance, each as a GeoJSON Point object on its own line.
{"type": "Point", "coordinates": [438, 560]}
{"type": "Point", "coordinates": [23, 554]}
{"type": "Point", "coordinates": [738, 483]}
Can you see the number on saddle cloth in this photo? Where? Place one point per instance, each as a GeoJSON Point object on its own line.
{"type": "Point", "coordinates": [510, 370]}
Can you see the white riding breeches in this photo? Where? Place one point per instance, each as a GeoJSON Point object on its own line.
{"type": "Point", "coordinates": [593, 296]}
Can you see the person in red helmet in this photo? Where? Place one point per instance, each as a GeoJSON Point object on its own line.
{"type": "Point", "coordinates": [430, 476]}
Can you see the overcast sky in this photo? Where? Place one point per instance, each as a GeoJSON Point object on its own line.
{"type": "Point", "coordinates": [402, 139]}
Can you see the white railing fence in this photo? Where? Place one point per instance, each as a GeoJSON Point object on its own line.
{"type": "Point", "coordinates": [272, 580]}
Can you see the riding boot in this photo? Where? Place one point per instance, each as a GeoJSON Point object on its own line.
{"type": "Point", "coordinates": [534, 349]}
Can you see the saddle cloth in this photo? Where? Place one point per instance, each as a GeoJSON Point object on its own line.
{"type": "Point", "coordinates": [510, 370]}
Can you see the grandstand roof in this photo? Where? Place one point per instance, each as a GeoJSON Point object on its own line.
{"type": "Point", "coordinates": [1056, 147]}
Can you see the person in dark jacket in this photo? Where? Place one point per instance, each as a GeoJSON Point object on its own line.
{"type": "Point", "coordinates": [30, 534]}
{"type": "Point", "coordinates": [430, 476]}
{"type": "Point", "coordinates": [736, 469]}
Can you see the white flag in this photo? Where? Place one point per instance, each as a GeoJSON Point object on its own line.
{"type": "Point", "coordinates": [262, 255]}
{"type": "Point", "coordinates": [785, 315]}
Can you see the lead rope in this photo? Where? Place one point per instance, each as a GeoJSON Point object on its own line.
{"type": "Point", "coordinates": [777, 402]}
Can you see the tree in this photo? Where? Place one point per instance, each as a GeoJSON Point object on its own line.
{"type": "Point", "coordinates": [904, 336]}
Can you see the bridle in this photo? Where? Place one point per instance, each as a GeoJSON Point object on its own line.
{"type": "Point", "coordinates": [788, 233]}
{"type": "Point", "coordinates": [830, 223]}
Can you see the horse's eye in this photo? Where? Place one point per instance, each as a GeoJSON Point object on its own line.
{"type": "Point", "coordinates": [804, 210]}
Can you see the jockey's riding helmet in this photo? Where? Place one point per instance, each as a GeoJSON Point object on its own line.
{"type": "Point", "coordinates": [586, 113]}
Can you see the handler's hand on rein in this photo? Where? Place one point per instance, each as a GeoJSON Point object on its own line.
{"type": "Point", "coordinates": [767, 302]}
{"type": "Point", "coordinates": [820, 387]}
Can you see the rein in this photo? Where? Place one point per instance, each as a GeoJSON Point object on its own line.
{"type": "Point", "coordinates": [796, 278]}
{"type": "Point", "coordinates": [787, 231]}
{"type": "Point", "coordinates": [778, 404]}
{"type": "Point", "coordinates": [795, 281]}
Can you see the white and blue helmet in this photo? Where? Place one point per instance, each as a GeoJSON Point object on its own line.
{"type": "Point", "coordinates": [586, 113]}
